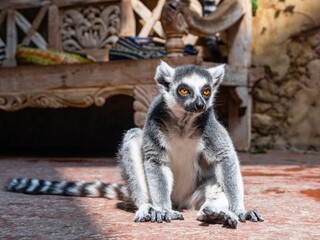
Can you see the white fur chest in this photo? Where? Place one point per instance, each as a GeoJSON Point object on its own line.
{"type": "Point", "coordinates": [183, 155]}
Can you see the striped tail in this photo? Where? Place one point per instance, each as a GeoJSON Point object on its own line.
{"type": "Point", "coordinates": [210, 6]}
{"type": "Point", "coordinates": [64, 188]}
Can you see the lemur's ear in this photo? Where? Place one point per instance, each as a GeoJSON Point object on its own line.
{"type": "Point", "coordinates": [217, 74]}
{"type": "Point", "coordinates": [164, 74]}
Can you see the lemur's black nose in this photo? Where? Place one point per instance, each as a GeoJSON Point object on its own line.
{"type": "Point", "coordinates": [199, 104]}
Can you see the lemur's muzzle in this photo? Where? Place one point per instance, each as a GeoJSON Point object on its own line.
{"type": "Point", "coordinates": [199, 104]}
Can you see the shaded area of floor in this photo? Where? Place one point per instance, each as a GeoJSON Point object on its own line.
{"type": "Point", "coordinates": [284, 187]}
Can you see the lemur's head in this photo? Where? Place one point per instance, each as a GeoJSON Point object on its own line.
{"type": "Point", "coordinates": [188, 87]}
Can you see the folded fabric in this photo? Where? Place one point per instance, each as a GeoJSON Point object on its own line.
{"type": "Point", "coordinates": [2, 52]}
{"type": "Point", "coordinates": [136, 48]}
{"type": "Point", "coordinates": [141, 48]}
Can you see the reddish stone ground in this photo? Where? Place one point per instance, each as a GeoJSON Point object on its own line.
{"type": "Point", "coordinates": [284, 187]}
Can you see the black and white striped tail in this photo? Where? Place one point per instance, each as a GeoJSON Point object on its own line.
{"type": "Point", "coordinates": [78, 189]}
{"type": "Point", "coordinates": [210, 6]}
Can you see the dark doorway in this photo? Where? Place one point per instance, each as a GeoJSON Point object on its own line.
{"type": "Point", "coordinates": [93, 131]}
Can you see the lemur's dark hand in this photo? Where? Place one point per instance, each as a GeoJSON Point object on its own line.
{"type": "Point", "coordinates": [252, 215]}
{"type": "Point", "coordinates": [211, 214]}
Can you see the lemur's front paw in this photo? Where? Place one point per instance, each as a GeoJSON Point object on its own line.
{"type": "Point", "coordinates": [148, 212]}
{"type": "Point", "coordinates": [212, 214]}
{"type": "Point", "coordinates": [252, 215]}
{"type": "Point", "coordinates": [167, 215]}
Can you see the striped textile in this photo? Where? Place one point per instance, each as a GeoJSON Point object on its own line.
{"type": "Point", "coordinates": [2, 51]}
{"type": "Point", "coordinates": [134, 48]}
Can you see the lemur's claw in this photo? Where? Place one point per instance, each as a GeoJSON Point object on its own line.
{"type": "Point", "coordinates": [153, 216]}
{"type": "Point", "coordinates": [159, 217]}
{"type": "Point", "coordinates": [156, 216]}
{"type": "Point", "coordinates": [167, 217]}
{"type": "Point", "coordinates": [242, 217]}
{"type": "Point", "coordinates": [233, 223]}
{"type": "Point", "coordinates": [230, 220]}
{"type": "Point", "coordinates": [254, 216]}
{"type": "Point", "coordinates": [176, 215]}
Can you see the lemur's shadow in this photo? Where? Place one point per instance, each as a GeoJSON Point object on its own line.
{"type": "Point", "coordinates": [126, 206]}
{"type": "Point", "coordinates": [205, 224]}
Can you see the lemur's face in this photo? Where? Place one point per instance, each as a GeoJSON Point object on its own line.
{"type": "Point", "coordinates": [189, 88]}
{"type": "Point", "coordinates": [193, 93]}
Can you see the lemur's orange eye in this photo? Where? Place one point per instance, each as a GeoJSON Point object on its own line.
{"type": "Point", "coordinates": [206, 92]}
{"type": "Point", "coordinates": [184, 91]}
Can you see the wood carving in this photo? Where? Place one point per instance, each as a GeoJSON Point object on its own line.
{"type": "Point", "coordinates": [177, 19]}
{"type": "Point", "coordinates": [90, 27]}
{"type": "Point", "coordinates": [59, 98]}
{"type": "Point", "coordinates": [143, 96]}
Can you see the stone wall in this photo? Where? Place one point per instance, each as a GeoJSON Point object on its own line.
{"type": "Point", "coordinates": [286, 95]}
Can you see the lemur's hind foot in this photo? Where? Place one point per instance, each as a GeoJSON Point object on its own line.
{"type": "Point", "coordinates": [211, 214]}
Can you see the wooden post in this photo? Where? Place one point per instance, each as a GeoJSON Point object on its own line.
{"type": "Point", "coordinates": [11, 43]}
{"type": "Point", "coordinates": [239, 39]}
{"type": "Point", "coordinates": [239, 42]}
{"type": "Point", "coordinates": [53, 26]}
{"type": "Point", "coordinates": [240, 125]}
{"type": "Point", "coordinates": [174, 44]}
{"type": "Point", "coordinates": [128, 21]}
{"type": "Point", "coordinates": [2, 16]}
{"type": "Point", "coordinates": [174, 27]}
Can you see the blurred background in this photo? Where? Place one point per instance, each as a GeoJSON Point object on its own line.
{"type": "Point", "coordinates": [108, 50]}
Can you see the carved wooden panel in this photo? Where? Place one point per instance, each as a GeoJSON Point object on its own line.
{"type": "Point", "coordinates": [59, 98]}
{"type": "Point", "coordinates": [90, 28]}
{"type": "Point", "coordinates": [143, 96]}
{"type": "Point", "coordinates": [74, 26]}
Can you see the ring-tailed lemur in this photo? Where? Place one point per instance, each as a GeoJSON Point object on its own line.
{"type": "Point", "coordinates": [182, 159]}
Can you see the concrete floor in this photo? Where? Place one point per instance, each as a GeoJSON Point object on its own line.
{"type": "Point", "coordinates": [284, 187]}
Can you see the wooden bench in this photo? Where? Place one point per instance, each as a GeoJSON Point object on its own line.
{"type": "Point", "coordinates": [82, 85]}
